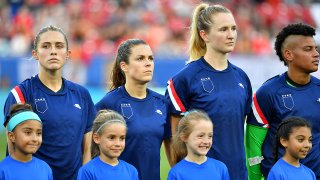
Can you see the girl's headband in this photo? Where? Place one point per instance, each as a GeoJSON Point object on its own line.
{"type": "Point", "coordinates": [21, 117]}
{"type": "Point", "coordinates": [111, 121]}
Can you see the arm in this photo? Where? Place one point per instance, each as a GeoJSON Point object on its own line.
{"type": "Point", "coordinates": [254, 139]}
{"type": "Point", "coordinates": [167, 148]}
{"type": "Point", "coordinates": [86, 145]}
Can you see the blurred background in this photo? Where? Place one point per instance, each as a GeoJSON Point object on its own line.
{"type": "Point", "coordinates": [96, 27]}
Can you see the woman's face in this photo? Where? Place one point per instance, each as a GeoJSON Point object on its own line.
{"type": "Point", "coordinates": [51, 51]}
{"type": "Point", "coordinates": [222, 34]}
{"type": "Point", "coordinates": [140, 66]}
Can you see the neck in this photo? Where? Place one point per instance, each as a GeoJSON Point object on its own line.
{"type": "Point", "coordinates": [218, 61]}
{"type": "Point", "coordinates": [136, 90]}
{"type": "Point", "coordinates": [298, 77]}
{"type": "Point", "coordinates": [198, 159]}
{"type": "Point", "coordinates": [291, 160]}
{"type": "Point", "coordinates": [52, 80]}
{"type": "Point", "coordinates": [109, 160]}
{"type": "Point", "coordinates": [22, 157]}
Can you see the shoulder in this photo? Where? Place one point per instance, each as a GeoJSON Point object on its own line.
{"type": "Point", "coordinates": [41, 164]}
{"type": "Point", "coordinates": [124, 163]}
{"type": "Point", "coordinates": [271, 85]}
{"type": "Point", "coordinates": [308, 170]}
{"type": "Point", "coordinates": [90, 165]}
{"type": "Point", "coordinates": [217, 163]}
{"type": "Point", "coordinates": [189, 70]}
{"type": "Point", "coordinates": [74, 86]}
{"type": "Point", "coordinates": [110, 98]}
{"type": "Point", "coordinates": [315, 80]}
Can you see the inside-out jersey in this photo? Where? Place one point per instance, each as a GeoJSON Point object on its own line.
{"type": "Point", "coordinates": [66, 116]}
{"type": "Point", "coordinates": [226, 97]}
{"type": "Point", "coordinates": [148, 125]}
{"type": "Point", "coordinates": [276, 100]}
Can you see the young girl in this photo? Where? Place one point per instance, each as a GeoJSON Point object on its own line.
{"type": "Point", "coordinates": [211, 83]}
{"type": "Point", "coordinates": [108, 141]}
{"type": "Point", "coordinates": [191, 143]}
{"type": "Point", "coordinates": [294, 135]}
{"type": "Point", "coordinates": [145, 111]}
{"type": "Point", "coordinates": [25, 132]}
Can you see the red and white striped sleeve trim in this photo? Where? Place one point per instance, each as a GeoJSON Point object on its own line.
{"type": "Point", "coordinates": [17, 93]}
{"type": "Point", "coordinates": [258, 113]}
{"type": "Point", "coordinates": [175, 98]}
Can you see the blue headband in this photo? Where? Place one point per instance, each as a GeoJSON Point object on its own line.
{"type": "Point", "coordinates": [21, 117]}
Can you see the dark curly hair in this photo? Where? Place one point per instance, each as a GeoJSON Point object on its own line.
{"type": "Point", "coordinates": [291, 29]}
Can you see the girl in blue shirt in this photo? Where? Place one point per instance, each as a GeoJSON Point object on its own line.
{"type": "Point", "coordinates": [108, 142]}
{"type": "Point", "coordinates": [294, 135]}
{"type": "Point", "coordinates": [145, 111]}
{"type": "Point", "coordinates": [191, 144]}
{"type": "Point", "coordinates": [25, 132]}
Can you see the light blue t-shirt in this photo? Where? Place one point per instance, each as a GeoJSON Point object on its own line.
{"type": "Point", "coordinates": [11, 169]}
{"type": "Point", "coordinates": [210, 169]}
{"type": "Point", "coordinates": [97, 169]}
{"type": "Point", "coordinates": [284, 171]}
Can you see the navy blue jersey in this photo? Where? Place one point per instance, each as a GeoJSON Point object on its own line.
{"type": "Point", "coordinates": [210, 169]}
{"type": "Point", "coordinates": [97, 169]}
{"type": "Point", "coordinates": [274, 101]}
{"type": "Point", "coordinates": [226, 96]}
{"type": "Point", "coordinates": [34, 169]}
{"type": "Point", "coordinates": [148, 125]}
{"type": "Point", "coordinates": [283, 170]}
{"type": "Point", "coordinates": [66, 116]}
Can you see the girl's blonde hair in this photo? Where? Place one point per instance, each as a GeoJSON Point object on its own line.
{"type": "Point", "coordinates": [184, 129]}
{"type": "Point", "coordinates": [104, 118]}
{"type": "Point", "coordinates": [202, 20]}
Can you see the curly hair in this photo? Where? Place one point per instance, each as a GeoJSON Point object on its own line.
{"type": "Point", "coordinates": [291, 29]}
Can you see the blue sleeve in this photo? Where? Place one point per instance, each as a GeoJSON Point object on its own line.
{"type": "Point", "coordinates": [274, 176]}
{"type": "Point", "coordinates": [172, 176]}
{"type": "Point", "coordinates": [11, 99]}
{"type": "Point", "coordinates": [167, 126]}
{"type": "Point", "coordinates": [225, 174]}
{"type": "Point", "coordinates": [83, 174]}
{"type": "Point", "coordinates": [177, 93]}
{"type": "Point", "coordinates": [100, 105]}
{"type": "Point", "coordinates": [91, 112]}
{"type": "Point", "coordinates": [262, 108]}
{"type": "Point", "coordinates": [249, 100]}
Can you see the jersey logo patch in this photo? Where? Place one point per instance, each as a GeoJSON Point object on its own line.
{"type": "Point", "coordinates": [41, 105]}
{"type": "Point", "coordinates": [207, 84]}
{"type": "Point", "coordinates": [159, 111]}
{"type": "Point", "coordinates": [126, 110]}
{"type": "Point", "coordinates": [77, 106]}
{"type": "Point", "coordinates": [288, 101]}
{"type": "Point", "coordinates": [318, 100]}
{"type": "Point", "coordinates": [241, 85]}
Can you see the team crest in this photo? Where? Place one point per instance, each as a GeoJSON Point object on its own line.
{"type": "Point", "coordinates": [288, 101]}
{"type": "Point", "coordinates": [126, 110]}
{"type": "Point", "coordinates": [207, 84]}
{"type": "Point", "coordinates": [41, 105]}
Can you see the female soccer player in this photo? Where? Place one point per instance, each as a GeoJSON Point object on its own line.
{"type": "Point", "coordinates": [65, 108]}
{"type": "Point", "coordinates": [211, 83]}
{"type": "Point", "coordinates": [145, 111]}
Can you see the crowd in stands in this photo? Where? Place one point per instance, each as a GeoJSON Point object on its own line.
{"type": "Point", "coordinates": [96, 27]}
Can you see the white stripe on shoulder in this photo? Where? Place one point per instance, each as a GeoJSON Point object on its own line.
{"type": "Point", "coordinates": [16, 96]}
{"type": "Point", "coordinates": [173, 100]}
